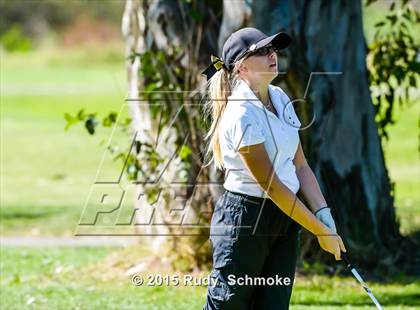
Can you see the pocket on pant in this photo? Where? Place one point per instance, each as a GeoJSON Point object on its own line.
{"type": "Point", "coordinates": [218, 289]}
{"type": "Point", "coordinates": [224, 234]}
{"type": "Point", "coordinates": [225, 220]}
{"type": "Point", "coordinates": [228, 214]}
{"type": "Point", "coordinates": [222, 247]}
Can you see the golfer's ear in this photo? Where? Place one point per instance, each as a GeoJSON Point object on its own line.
{"type": "Point", "coordinates": [242, 68]}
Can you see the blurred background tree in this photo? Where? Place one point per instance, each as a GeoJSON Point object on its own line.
{"type": "Point", "coordinates": [393, 62]}
{"type": "Point", "coordinates": [24, 24]}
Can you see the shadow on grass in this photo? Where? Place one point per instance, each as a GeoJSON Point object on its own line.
{"type": "Point", "coordinates": [402, 268]}
{"type": "Point", "coordinates": [28, 215]}
{"type": "Point", "coordinates": [407, 299]}
{"type": "Point", "coordinates": [28, 220]}
{"type": "Point", "coordinates": [28, 212]}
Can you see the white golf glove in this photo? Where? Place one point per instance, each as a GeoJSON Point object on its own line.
{"type": "Point", "coordinates": [324, 215]}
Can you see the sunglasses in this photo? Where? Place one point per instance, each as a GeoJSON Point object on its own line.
{"type": "Point", "coordinates": [262, 51]}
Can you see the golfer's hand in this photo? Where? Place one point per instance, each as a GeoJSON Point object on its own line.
{"type": "Point", "coordinates": [332, 243]}
{"type": "Point", "coordinates": [324, 215]}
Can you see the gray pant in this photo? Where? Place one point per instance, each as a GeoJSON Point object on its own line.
{"type": "Point", "coordinates": [253, 242]}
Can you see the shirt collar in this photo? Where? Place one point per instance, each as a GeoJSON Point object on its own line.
{"type": "Point", "coordinates": [242, 91]}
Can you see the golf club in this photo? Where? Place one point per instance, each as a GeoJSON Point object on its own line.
{"type": "Point", "coordinates": [361, 281]}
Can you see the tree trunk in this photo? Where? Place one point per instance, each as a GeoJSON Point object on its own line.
{"type": "Point", "coordinates": [175, 223]}
{"type": "Point", "coordinates": [143, 126]}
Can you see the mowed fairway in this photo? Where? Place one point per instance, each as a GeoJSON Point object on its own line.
{"type": "Point", "coordinates": [47, 173]}
{"type": "Point", "coordinates": [403, 163]}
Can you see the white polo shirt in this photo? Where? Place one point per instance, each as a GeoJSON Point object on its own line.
{"type": "Point", "coordinates": [245, 121]}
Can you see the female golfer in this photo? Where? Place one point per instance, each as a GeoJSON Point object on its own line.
{"type": "Point", "coordinates": [254, 137]}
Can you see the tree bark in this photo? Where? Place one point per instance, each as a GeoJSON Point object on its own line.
{"type": "Point", "coordinates": [143, 126]}
{"type": "Point", "coordinates": [172, 223]}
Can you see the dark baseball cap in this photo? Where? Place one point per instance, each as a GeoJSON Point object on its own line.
{"type": "Point", "coordinates": [247, 40]}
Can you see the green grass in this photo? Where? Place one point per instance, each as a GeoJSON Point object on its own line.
{"type": "Point", "coordinates": [322, 292]}
{"type": "Point", "coordinates": [47, 172]}
{"type": "Point", "coordinates": [74, 278]}
{"type": "Point", "coordinates": [94, 278]}
{"type": "Point", "coordinates": [402, 160]}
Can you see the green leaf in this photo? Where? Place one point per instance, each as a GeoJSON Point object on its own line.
{"type": "Point", "coordinates": [70, 121]}
{"type": "Point", "coordinates": [369, 2]}
{"type": "Point", "coordinates": [138, 146]}
{"type": "Point", "coordinates": [91, 123]}
{"type": "Point", "coordinates": [81, 115]}
{"type": "Point", "coordinates": [412, 81]}
{"type": "Point", "coordinates": [119, 156]}
{"type": "Point", "coordinates": [184, 152]}
{"type": "Point", "coordinates": [196, 15]}
{"type": "Point", "coordinates": [392, 7]}
{"type": "Point", "coordinates": [392, 18]}
{"type": "Point", "coordinates": [109, 120]}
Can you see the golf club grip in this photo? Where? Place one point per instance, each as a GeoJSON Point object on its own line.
{"type": "Point", "coordinates": [345, 258]}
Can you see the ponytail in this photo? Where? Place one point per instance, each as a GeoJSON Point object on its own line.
{"type": "Point", "coordinates": [219, 88]}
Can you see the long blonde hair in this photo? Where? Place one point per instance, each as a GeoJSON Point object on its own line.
{"type": "Point", "coordinates": [218, 89]}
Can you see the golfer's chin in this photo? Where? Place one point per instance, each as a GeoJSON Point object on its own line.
{"type": "Point", "coordinates": [271, 74]}
{"type": "Point", "coordinates": [273, 70]}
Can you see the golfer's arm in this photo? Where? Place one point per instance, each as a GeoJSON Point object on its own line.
{"type": "Point", "coordinates": [308, 184]}
{"type": "Point", "coordinates": [259, 164]}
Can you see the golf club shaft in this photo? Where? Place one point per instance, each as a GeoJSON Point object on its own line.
{"type": "Point", "coordinates": [360, 279]}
